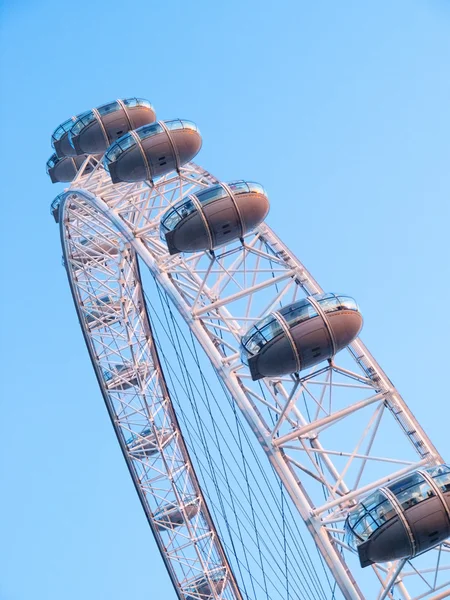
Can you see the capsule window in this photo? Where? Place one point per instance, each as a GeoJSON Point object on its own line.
{"type": "Point", "coordinates": [412, 490]}
{"type": "Point", "coordinates": [106, 109]}
{"type": "Point", "coordinates": [211, 194]}
{"type": "Point", "coordinates": [178, 212]}
{"type": "Point", "coordinates": [239, 187]}
{"type": "Point", "coordinates": [330, 304]}
{"type": "Point", "coordinates": [371, 514]}
{"type": "Point", "coordinates": [403, 484]}
{"type": "Point", "coordinates": [348, 303]}
{"type": "Point", "coordinates": [443, 481]}
{"type": "Point", "coordinates": [298, 312]}
{"type": "Point", "coordinates": [174, 125]}
{"type": "Point", "coordinates": [149, 130]}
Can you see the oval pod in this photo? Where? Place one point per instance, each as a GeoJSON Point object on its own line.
{"type": "Point", "coordinates": [65, 168]}
{"type": "Point", "coordinates": [301, 335]}
{"type": "Point", "coordinates": [96, 129]}
{"type": "Point", "coordinates": [152, 151]}
{"type": "Point", "coordinates": [402, 519]}
{"type": "Point", "coordinates": [214, 216]}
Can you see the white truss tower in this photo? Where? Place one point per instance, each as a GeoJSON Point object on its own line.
{"type": "Point", "coordinates": [341, 429]}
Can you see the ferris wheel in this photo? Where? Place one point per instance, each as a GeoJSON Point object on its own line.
{"type": "Point", "coordinates": [273, 457]}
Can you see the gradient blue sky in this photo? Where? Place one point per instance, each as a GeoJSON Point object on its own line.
{"type": "Point", "coordinates": [342, 111]}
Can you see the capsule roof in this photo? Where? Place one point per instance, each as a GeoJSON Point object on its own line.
{"type": "Point", "coordinates": [394, 501]}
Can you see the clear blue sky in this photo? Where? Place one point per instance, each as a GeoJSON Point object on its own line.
{"type": "Point", "coordinates": [342, 111]}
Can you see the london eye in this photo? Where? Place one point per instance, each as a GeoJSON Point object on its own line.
{"type": "Point", "coordinates": [272, 455]}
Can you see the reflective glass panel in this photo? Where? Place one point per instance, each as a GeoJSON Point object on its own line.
{"type": "Point", "coordinates": [210, 194]}
{"type": "Point", "coordinates": [365, 526]}
{"type": "Point", "coordinates": [62, 129]}
{"type": "Point", "coordinates": [130, 102]}
{"type": "Point", "coordinates": [189, 125]}
{"type": "Point", "coordinates": [239, 187]}
{"type": "Point", "coordinates": [148, 130]}
{"type": "Point", "coordinates": [119, 146]}
{"type": "Point", "coordinates": [298, 312]}
{"type": "Point", "coordinates": [82, 121]}
{"type": "Point", "coordinates": [256, 188]}
{"type": "Point", "coordinates": [415, 494]}
{"type": "Point", "coordinates": [443, 481]}
{"type": "Point", "coordinates": [126, 142]}
{"type": "Point", "coordinates": [52, 161]}
{"type": "Point", "coordinates": [176, 214]}
{"type": "Point", "coordinates": [263, 332]}
{"type": "Point", "coordinates": [113, 153]}
{"type": "Point", "coordinates": [356, 514]}
{"type": "Point", "coordinates": [173, 125]}
{"type": "Point", "coordinates": [406, 482]}
{"type": "Point", "coordinates": [368, 516]}
{"type": "Point", "coordinates": [320, 297]}
{"type": "Point", "coordinates": [348, 303]}
{"type": "Point", "coordinates": [330, 304]}
{"type": "Point", "coordinates": [373, 500]}
{"type": "Point", "coordinates": [143, 102]}
{"type": "Point", "coordinates": [106, 109]}
{"type": "Point", "coordinates": [133, 102]}
{"type": "Point", "coordinates": [383, 512]}
{"type": "Point", "coordinates": [439, 470]}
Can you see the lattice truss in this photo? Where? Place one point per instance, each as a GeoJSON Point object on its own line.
{"type": "Point", "coordinates": [105, 281]}
{"type": "Point", "coordinates": [341, 429]}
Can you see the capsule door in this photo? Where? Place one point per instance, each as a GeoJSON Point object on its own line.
{"type": "Point", "coordinates": [116, 124]}
{"type": "Point", "coordinates": [313, 342]}
{"type": "Point", "coordinates": [223, 220]}
{"type": "Point", "coordinates": [160, 154]}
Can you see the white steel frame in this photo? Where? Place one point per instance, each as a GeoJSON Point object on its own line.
{"type": "Point", "coordinates": [295, 418]}
{"type": "Point", "coordinates": [106, 286]}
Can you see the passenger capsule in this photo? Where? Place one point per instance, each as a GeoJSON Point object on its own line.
{"type": "Point", "coordinates": [146, 442]}
{"type": "Point", "coordinates": [60, 139]}
{"type": "Point", "coordinates": [65, 168]}
{"type": "Point", "coordinates": [125, 376]}
{"type": "Point", "coordinates": [171, 515]}
{"type": "Point", "coordinates": [96, 129]}
{"type": "Point", "coordinates": [54, 207]}
{"type": "Point", "coordinates": [102, 312]}
{"type": "Point", "coordinates": [97, 249]}
{"type": "Point", "coordinates": [300, 335]}
{"type": "Point", "coordinates": [152, 151]}
{"type": "Point", "coordinates": [202, 588]}
{"type": "Point", "coordinates": [402, 520]}
{"type": "Point", "coordinates": [215, 216]}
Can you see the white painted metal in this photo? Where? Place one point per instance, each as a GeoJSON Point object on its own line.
{"type": "Point", "coordinates": [129, 373]}
{"type": "Point", "coordinates": [322, 430]}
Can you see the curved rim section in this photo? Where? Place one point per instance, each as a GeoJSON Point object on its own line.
{"type": "Point", "coordinates": [107, 265]}
{"type": "Point", "coordinates": [212, 290]}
